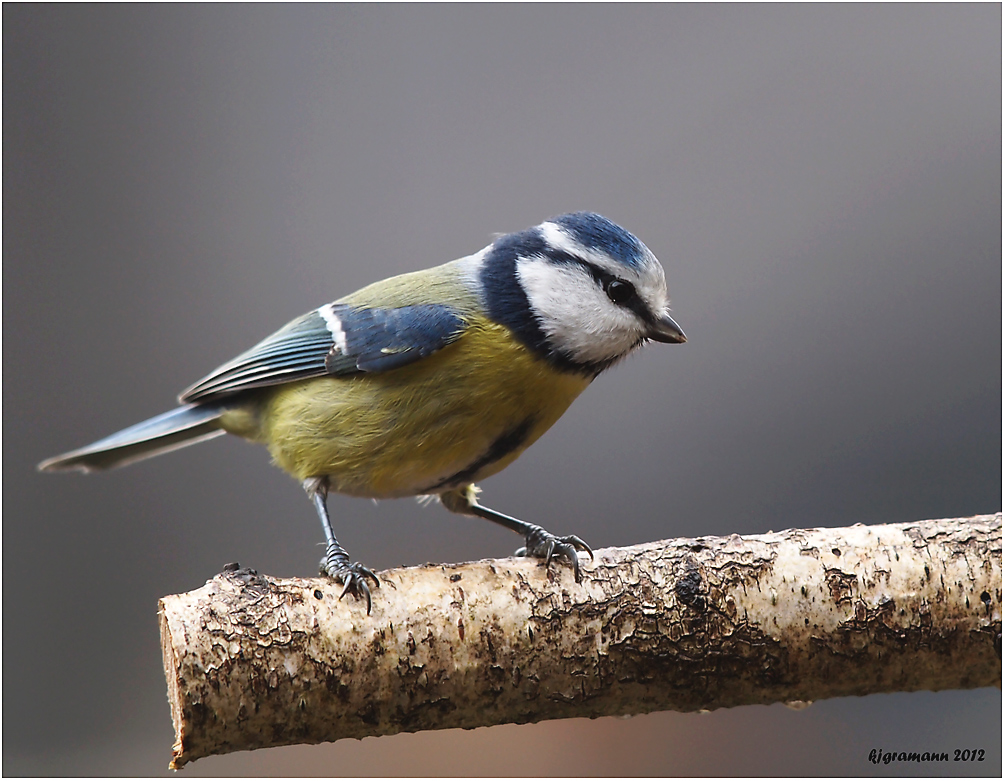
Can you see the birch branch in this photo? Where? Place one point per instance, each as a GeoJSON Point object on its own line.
{"type": "Point", "coordinates": [713, 622]}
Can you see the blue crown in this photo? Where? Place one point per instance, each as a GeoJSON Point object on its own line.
{"type": "Point", "coordinates": [599, 233]}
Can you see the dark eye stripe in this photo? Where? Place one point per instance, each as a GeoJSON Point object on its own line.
{"type": "Point", "coordinates": [620, 291]}
{"type": "Point", "coordinates": [632, 301]}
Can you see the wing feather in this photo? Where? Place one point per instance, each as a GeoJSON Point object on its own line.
{"type": "Point", "coordinates": [337, 340]}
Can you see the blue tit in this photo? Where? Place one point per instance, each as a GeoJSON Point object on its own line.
{"type": "Point", "coordinates": [425, 383]}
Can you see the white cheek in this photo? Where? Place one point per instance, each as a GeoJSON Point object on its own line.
{"type": "Point", "coordinates": [575, 314]}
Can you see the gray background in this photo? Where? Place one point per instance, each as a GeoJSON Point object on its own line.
{"type": "Point", "coordinates": [823, 185]}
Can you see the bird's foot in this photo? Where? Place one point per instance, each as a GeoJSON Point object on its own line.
{"type": "Point", "coordinates": [544, 545]}
{"type": "Point", "coordinates": [352, 575]}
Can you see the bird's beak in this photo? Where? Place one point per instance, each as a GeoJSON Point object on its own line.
{"type": "Point", "coordinates": [666, 330]}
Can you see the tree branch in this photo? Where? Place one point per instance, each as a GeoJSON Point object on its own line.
{"type": "Point", "coordinates": [689, 624]}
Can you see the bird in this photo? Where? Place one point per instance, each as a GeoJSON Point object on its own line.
{"type": "Point", "coordinates": [426, 383]}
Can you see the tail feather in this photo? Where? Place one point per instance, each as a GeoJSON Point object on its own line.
{"type": "Point", "coordinates": [175, 429]}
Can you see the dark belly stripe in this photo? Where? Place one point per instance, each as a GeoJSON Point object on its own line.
{"type": "Point", "coordinates": [505, 444]}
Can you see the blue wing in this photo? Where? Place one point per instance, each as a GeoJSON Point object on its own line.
{"type": "Point", "coordinates": [337, 340]}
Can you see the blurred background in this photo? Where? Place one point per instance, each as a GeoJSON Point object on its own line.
{"type": "Point", "coordinates": [822, 183]}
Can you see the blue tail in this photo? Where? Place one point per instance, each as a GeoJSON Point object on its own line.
{"type": "Point", "coordinates": [170, 431]}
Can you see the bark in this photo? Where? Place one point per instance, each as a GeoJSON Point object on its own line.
{"type": "Point", "coordinates": [691, 624]}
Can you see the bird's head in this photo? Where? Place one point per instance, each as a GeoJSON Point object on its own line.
{"type": "Point", "coordinates": [578, 289]}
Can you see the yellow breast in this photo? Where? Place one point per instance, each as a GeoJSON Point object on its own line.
{"type": "Point", "coordinates": [452, 418]}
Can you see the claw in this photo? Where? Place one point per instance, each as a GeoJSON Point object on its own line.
{"type": "Point", "coordinates": [356, 586]}
{"type": "Point", "coordinates": [544, 545]}
{"type": "Point", "coordinates": [578, 544]}
{"type": "Point", "coordinates": [353, 577]}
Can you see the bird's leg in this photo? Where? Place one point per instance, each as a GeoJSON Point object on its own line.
{"type": "Point", "coordinates": [538, 542]}
{"type": "Point", "coordinates": [336, 563]}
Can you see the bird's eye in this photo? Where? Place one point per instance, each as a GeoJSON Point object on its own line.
{"type": "Point", "coordinates": [619, 291]}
